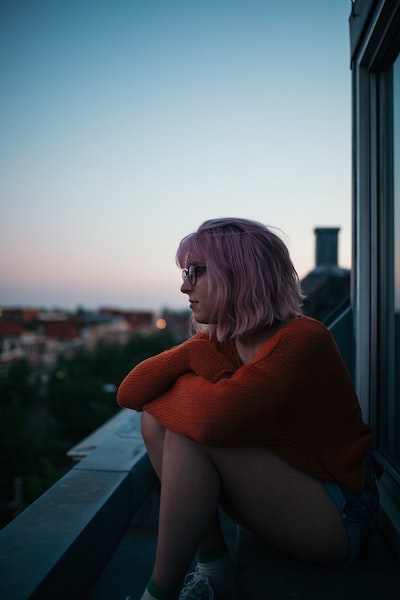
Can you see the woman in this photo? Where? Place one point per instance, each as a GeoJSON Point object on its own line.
{"type": "Point", "coordinates": [256, 413]}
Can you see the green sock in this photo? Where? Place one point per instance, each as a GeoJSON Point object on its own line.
{"type": "Point", "coordinates": [156, 592]}
{"type": "Point", "coordinates": [211, 555]}
{"type": "Point", "coordinates": [218, 566]}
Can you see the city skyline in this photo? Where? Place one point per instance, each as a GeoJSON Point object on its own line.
{"type": "Point", "coordinates": [124, 125]}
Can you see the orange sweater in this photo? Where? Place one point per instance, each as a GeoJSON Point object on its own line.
{"type": "Point", "coordinates": [296, 396]}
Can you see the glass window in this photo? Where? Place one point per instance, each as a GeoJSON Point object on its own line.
{"type": "Point", "coordinates": [389, 289]}
{"type": "Point", "coordinates": [396, 259]}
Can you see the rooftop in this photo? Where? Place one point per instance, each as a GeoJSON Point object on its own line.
{"type": "Point", "coordinates": [93, 534]}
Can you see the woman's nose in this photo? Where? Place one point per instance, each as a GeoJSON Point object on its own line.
{"type": "Point", "coordinates": [186, 287]}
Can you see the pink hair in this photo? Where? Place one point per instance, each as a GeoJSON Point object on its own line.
{"type": "Point", "coordinates": [251, 279]}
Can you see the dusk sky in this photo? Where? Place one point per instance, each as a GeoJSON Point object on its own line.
{"type": "Point", "coordinates": [126, 123]}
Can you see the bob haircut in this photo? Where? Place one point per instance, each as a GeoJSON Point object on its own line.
{"type": "Point", "coordinates": [252, 282]}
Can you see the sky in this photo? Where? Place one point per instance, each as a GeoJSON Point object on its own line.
{"type": "Point", "coordinates": [124, 124]}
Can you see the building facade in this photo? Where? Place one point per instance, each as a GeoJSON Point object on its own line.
{"type": "Point", "coordinates": [375, 64]}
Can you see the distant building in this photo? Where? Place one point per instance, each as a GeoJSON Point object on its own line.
{"type": "Point", "coordinates": [139, 320]}
{"type": "Point", "coordinates": [42, 336]}
{"type": "Point", "coordinates": [177, 322]}
{"type": "Point", "coordinates": [16, 342]}
{"type": "Point", "coordinates": [21, 315]}
{"type": "Point", "coordinates": [327, 287]}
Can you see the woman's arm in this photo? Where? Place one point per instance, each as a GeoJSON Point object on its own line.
{"type": "Point", "coordinates": [294, 379]}
{"type": "Point", "coordinates": [154, 376]}
{"type": "Point", "coordinates": [220, 412]}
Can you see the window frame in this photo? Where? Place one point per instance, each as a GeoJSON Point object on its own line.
{"type": "Point", "coordinates": [375, 44]}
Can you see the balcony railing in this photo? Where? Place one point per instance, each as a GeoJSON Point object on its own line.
{"type": "Point", "coordinates": [58, 546]}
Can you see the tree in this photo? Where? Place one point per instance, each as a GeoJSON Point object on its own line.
{"type": "Point", "coordinates": [37, 430]}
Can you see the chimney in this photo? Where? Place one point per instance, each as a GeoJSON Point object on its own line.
{"type": "Point", "coordinates": [326, 246]}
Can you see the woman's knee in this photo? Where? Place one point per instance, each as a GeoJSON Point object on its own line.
{"type": "Point", "coordinates": [150, 428]}
{"type": "Point", "coordinates": [153, 434]}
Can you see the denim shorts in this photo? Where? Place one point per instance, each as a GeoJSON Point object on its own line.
{"type": "Point", "coordinates": [359, 512]}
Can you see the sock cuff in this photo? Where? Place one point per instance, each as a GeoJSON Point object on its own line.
{"type": "Point", "coordinates": [161, 593]}
{"type": "Point", "coordinates": [210, 556]}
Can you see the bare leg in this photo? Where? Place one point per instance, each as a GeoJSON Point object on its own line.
{"type": "Point", "coordinates": [154, 435]}
{"type": "Point", "coordinates": [280, 503]}
{"type": "Point", "coordinates": [190, 494]}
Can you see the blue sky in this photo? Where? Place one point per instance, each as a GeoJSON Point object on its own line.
{"type": "Point", "coordinates": [125, 124]}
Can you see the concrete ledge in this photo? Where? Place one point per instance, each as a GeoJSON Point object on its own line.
{"type": "Point", "coordinates": [59, 545]}
{"type": "Point", "coordinates": [124, 425]}
{"type": "Point", "coordinates": [265, 572]}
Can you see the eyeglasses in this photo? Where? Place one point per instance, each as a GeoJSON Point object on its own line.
{"type": "Point", "coordinates": [191, 274]}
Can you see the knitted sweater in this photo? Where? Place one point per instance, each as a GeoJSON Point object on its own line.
{"type": "Point", "coordinates": [296, 397]}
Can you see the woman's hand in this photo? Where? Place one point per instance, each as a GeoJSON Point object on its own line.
{"type": "Point", "coordinates": [155, 375]}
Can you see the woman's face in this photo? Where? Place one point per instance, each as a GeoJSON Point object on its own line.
{"type": "Point", "coordinates": [195, 285]}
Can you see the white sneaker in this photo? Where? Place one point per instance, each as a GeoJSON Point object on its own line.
{"type": "Point", "coordinates": [196, 587]}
